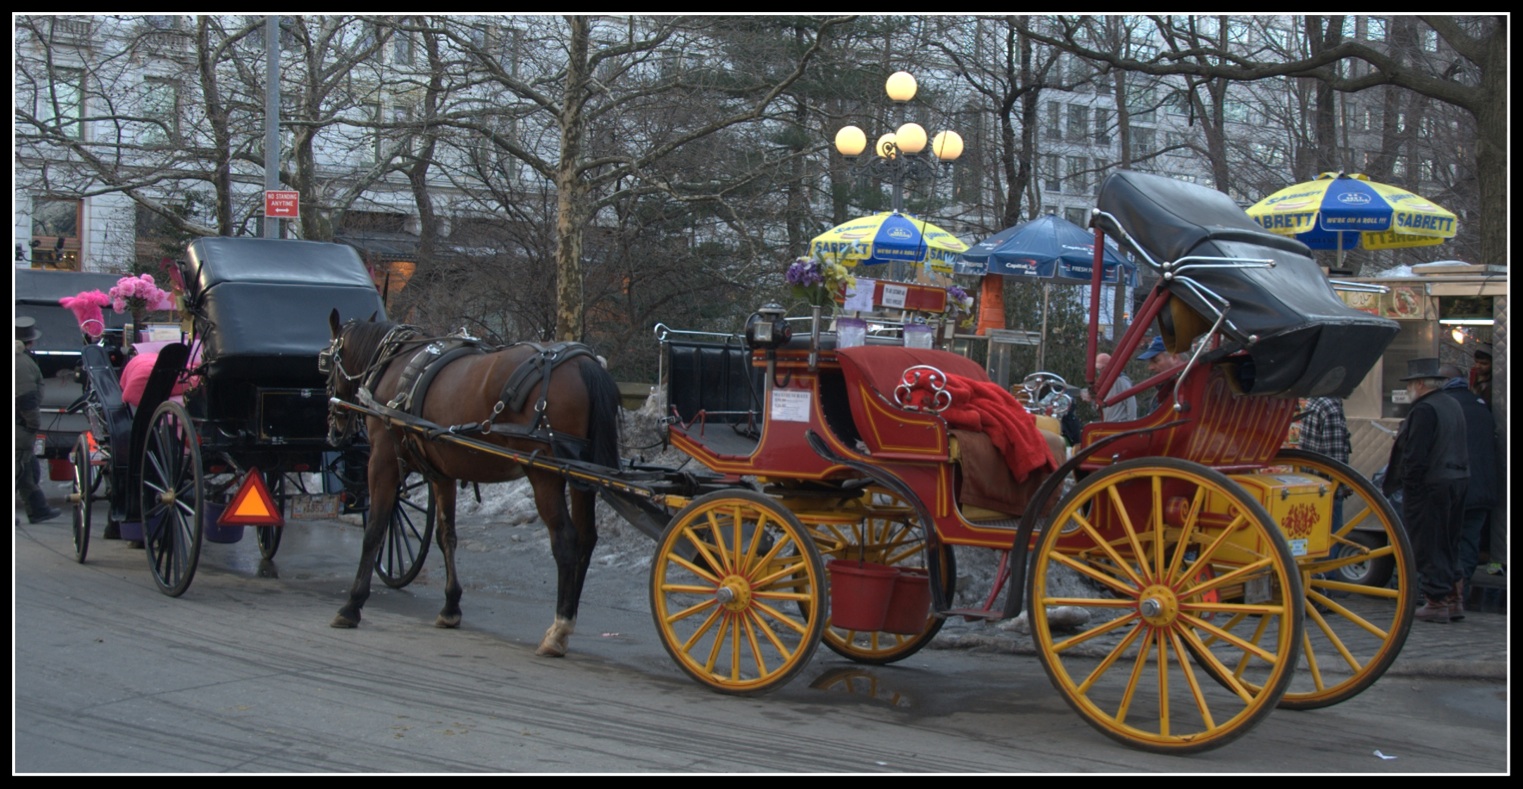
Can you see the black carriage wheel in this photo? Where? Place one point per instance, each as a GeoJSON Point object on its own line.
{"type": "Point", "coordinates": [889, 534]}
{"type": "Point", "coordinates": [1157, 553]}
{"type": "Point", "coordinates": [171, 500]}
{"type": "Point", "coordinates": [86, 480]}
{"type": "Point", "coordinates": [408, 534]}
{"type": "Point", "coordinates": [269, 536]}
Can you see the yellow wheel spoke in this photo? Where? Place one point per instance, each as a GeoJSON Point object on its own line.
{"type": "Point", "coordinates": [1094, 632]}
{"type": "Point", "coordinates": [1110, 659]}
{"type": "Point", "coordinates": [1188, 668]}
{"type": "Point", "coordinates": [1084, 568]}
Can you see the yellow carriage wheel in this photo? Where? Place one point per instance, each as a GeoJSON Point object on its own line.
{"type": "Point", "coordinates": [888, 533]}
{"type": "Point", "coordinates": [1360, 598]}
{"type": "Point", "coordinates": [1158, 553]}
{"type": "Point", "coordinates": [738, 592]}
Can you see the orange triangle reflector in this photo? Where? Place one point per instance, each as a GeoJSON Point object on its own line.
{"type": "Point", "coordinates": [252, 505]}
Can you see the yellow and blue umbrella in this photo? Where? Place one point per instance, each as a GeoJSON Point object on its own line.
{"type": "Point", "coordinates": [1341, 211]}
{"type": "Point", "coordinates": [889, 237]}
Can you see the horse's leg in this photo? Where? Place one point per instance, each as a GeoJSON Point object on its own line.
{"type": "Point", "coordinates": [444, 529]}
{"type": "Point", "coordinates": [384, 479]}
{"type": "Point", "coordinates": [584, 520]}
{"type": "Point", "coordinates": [572, 551]}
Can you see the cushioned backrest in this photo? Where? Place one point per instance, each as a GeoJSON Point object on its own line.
{"type": "Point", "coordinates": [716, 378]}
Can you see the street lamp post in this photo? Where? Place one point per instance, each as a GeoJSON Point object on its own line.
{"type": "Point", "coordinates": [899, 156]}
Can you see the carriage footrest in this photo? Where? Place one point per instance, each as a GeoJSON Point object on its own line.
{"type": "Point", "coordinates": [972, 614]}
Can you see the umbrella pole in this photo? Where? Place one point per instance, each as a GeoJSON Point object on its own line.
{"type": "Point", "coordinates": [1041, 350]}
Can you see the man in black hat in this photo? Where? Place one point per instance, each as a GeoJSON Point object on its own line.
{"type": "Point", "coordinates": [28, 422]}
{"type": "Point", "coordinates": [1430, 465]}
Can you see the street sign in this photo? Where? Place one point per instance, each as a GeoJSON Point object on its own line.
{"type": "Point", "coordinates": [282, 204]}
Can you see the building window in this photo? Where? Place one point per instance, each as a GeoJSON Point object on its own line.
{"type": "Point", "coordinates": [1102, 125]}
{"type": "Point", "coordinates": [161, 111]}
{"type": "Point", "coordinates": [401, 51]}
{"type": "Point", "coordinates": [1144, 141]}
{"type": "Point", "coordinates": [1078, 122]}
{"type": "Point", "coordinates": [1078, 175]}
{"type": "Point", "coordinates": [1052, 178]}
{"type": "Point", "coordinates": [1078, 216]}
{"type": "Point", "coordinates": [1140, 102]}
{"type": "Point", "coordinates": [55, 233]}
{"type": "Point", "coordinates": [64, 103]}
{"type": "Point", "coordinates": [1053, 130]}
{"type": "Point", "coordinates": [392, 127]}
{"type": "Point", "coordinates": [1235, 110]}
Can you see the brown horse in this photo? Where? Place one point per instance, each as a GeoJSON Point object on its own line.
{"type": "Point", "coordinates": [568, 410]}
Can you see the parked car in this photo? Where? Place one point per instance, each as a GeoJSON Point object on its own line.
{"type": "Point", "coordinates": [57, 350]}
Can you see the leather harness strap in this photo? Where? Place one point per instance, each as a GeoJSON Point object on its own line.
{"type": "Point", "coordinates": [546, 358]}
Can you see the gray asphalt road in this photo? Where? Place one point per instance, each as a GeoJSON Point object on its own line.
{"type": "Point", "coordinates": [242, 674]}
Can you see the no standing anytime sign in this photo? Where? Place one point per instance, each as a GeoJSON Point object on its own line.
{"type": "Point", "coordinates": [282, 205]}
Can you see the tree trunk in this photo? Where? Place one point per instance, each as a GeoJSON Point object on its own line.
{"type": "Point", "coordinates": [572, 213]}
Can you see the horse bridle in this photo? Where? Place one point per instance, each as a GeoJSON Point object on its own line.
{"type": "Point", "coordinates": [330, 363]}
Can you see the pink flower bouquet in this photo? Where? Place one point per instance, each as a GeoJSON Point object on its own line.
{"type": "Point", "coordinates": [136, 295]}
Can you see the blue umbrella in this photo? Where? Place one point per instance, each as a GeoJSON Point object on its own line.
{"type": "Point", "coordinates": [1048, 247]}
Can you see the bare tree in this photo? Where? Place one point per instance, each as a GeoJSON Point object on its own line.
{"type": "Point", "coordinates": [1470, 74]}
{"type": "Point", "coordinates": [600, 68]}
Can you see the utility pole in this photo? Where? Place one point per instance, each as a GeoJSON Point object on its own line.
{"type": "Point", "coordinates": [271, 117]}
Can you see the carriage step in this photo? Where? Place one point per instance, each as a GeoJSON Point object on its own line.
{"type": "Point", "coordinates": [973, 614]}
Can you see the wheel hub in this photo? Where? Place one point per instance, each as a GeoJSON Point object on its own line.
{"type": "Point", "coordinates": [734, 594]}
{"type": "Point", "coordinates": [1158, 605]}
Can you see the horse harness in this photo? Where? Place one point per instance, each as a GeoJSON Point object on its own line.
{"type": "Point", "coordinates": [424, 364]}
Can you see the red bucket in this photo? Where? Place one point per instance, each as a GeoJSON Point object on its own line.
{"type": "Point", "coordinates": [859, 594]}
{"type": "Point", "coordinates": [910, 604]}
{"type": "Point", "coordinates": [60, 469]}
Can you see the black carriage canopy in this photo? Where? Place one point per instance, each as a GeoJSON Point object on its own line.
{"type": "Point", "coordinates": [1309, 343]}
{"type": "Point", "coordinates": [262, 304]}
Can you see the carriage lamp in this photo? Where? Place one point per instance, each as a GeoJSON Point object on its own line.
{"type": "Point", "coordinates": [767, 328]}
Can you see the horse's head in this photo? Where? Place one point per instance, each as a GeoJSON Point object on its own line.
{"type": "Point", "coordinates": [344, 378]}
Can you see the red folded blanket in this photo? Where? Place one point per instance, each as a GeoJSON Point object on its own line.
{"type": "Point", "coordinates": [986, 407]}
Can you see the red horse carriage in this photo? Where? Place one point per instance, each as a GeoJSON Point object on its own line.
{"type": "Point", "coordinates": [1177, 571]}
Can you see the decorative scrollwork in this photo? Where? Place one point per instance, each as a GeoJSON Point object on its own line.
{"type": "Point", "coordinates": [923, 388]}
{"type": "Point", "coordinates": [1045, 393]}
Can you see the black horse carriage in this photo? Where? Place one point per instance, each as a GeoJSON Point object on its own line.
{"type": "Point", "coordinates": [234, 415]}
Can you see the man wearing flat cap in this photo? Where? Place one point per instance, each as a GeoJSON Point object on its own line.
{"type": "Point", "coordinates": [28, 422]}
{"type": "Point", "coordinates": [1430, 465]}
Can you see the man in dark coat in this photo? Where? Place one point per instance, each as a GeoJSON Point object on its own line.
{"type": "Point", "coordinates": [1484, 441]}
{"type": "Point", "coordinates": [1430, 465]}
{"type": "Point", "coordinates": [28, 422]}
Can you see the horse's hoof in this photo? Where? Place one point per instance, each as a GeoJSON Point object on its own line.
{"type": "Point", "coordinates": [344, 622]}
{"type": "Point", "coordinates": [556, 638]}
{"type": "Point", "coordinates": [447, 621]}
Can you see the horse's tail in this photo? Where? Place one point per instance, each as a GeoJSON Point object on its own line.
{"type": "Point", "coordinates": [603, 421]}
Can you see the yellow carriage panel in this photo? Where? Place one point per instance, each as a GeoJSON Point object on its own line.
{"type": "Point", "coordinates": [1301, 505]}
